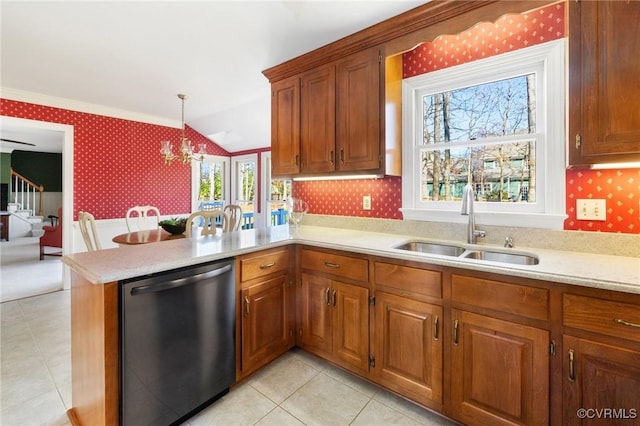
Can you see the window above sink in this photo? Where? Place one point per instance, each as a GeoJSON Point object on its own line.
{"type": "Point", "coordinates": [455, 125]}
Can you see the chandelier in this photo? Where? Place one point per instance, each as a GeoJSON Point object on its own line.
{"type": "Point", "coordinates": [186, 149]}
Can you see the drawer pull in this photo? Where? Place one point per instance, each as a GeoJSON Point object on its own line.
{"type": "Point", "coordinates": [267, 265]}
{"type": "Point", "coordinates": [455, 332]}
{"type": "Point", "coordinates": [572, 371]}
{"type": "Point", "coordinates": [246, 306]}
{"type": "Point", "coordinates": [435, 328]}
{"type": "Point", "coordinates": [331, 265]}
{"type": "Point", "coordinates": [327, 296]}
{"type": "Point", "coordinates": [627, 323]}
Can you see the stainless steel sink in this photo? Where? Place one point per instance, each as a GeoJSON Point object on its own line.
{"type": "Point", "coordinates": [432, 248]}
{"type": "Point", "coordinates": [495, 256]}
{"type": "Point", "coordinates": [469, 253]}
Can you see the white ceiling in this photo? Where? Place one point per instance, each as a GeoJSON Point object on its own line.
{"type": "Point", "coordinates": [137, 56]}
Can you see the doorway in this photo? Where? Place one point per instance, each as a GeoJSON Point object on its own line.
{"type": "Point", "coordinates": [44, 136]}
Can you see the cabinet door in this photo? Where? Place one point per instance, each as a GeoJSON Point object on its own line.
{"type": "Point", "coordinates": [316, 313]}
{"type": "Point", "coordinates": [603, 379]}
{"type": "Point", "coordinates": [318, 127]}
{"type": "Point", "coordinates": [285, 127]}
{"type": "Point", "coordinates": [408, 348]}
{"type": "Point", "coordinates": [499, 371]}
{"type": "Point", "coordinates": [358, 112]}
{"type": "Point", "coordinates": [267, 330]}
{"type": "Point", "coordinates": [350, 325]}
{"type": "Point", "coordinates": [604, 41]}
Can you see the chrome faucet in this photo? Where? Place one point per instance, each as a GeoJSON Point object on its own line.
{"type": "Point", "coordinates": [467, 210]}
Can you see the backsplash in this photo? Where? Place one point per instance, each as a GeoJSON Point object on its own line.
{"type": "Point", "coordinates": [344, 197]}
{"type": "Point", "coordinates": [621, 190]}
{"type": "Point", "coordinates": [117, 162]}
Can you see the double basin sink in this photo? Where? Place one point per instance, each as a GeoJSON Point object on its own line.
{"type": "Point", "coordinates": [466, 253]}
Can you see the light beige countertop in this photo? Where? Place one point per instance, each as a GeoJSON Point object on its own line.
{"type": "Point", "coordinates": [619, 273]}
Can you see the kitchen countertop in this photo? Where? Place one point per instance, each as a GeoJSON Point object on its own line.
{"type": "Point", "coordinates": [618, 273]}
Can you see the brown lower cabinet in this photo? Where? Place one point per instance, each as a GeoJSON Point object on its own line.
{"type": "Point", "coordinates": [264, 309]}
{"type": "Point", "coordinates": [601, 358]}
{"type": "Point", "coordinates": [499, 371]}
{"type": "Point", "coordinates": [408, 348]}
{"type": "Point", "coordinates": [601, 383]}
{"type": "Point", "coordinates": [334, 315]}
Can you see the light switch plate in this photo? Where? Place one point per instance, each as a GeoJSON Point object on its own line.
{"type": "Point", "coordinates": [591, 209]}
{"type": "Point", "coordinates": [366, 202]}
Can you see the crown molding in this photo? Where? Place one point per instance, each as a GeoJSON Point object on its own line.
{"type": "Point", "coordinates": [73, 105]}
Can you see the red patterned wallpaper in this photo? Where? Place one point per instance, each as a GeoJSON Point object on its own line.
{"type": "Point", "coordinates": [510, 32]}
{"type": "Point", "coordinates": [344, 197]}
{"type": "Point", "coordinates": [620, 189]}
{"type": "Point", "coordinates": [117, 162]}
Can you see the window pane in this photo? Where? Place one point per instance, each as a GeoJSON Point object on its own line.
{"type": "Point", "coordinates": [500, 172]}
{"type": "Point", "coordinates": [211, 181]}
{"type": "Point", "coordinates": [498, 108]}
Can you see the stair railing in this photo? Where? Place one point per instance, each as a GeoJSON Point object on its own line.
{"type": "Point", "coordinates": [25, 190]}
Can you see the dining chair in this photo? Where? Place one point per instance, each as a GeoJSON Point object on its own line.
{"type": "Point", "coordinates": [144, 219]}
{"type": "Point", "coordinates": [88, 229]}
{"type": "Point", "coordinates": [210, 217]}
{"type": "Point", "coordinates": [232, 218]}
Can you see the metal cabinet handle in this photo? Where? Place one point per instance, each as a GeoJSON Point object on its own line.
{"type": "Point", "coordinates": [297, 159]}
{"type": "Point", "coordinates": [627, 323]}
{"type": "Point", "coordinates": [342, 155]}
{"type": "Point", "coordinates": [331, 160]}
{"type": "Point", "coordinates": [331, 265]}
{"type": "Point", "coordinates": [455, 332]}
{"type": "Point", "coordinates": [333, 298]}
{"type": "Point", "coordinates": [267, 265]}
{"type": "Point", "coordinates": [246, 306]}
{"type": "Point", "coordinates": [327, 294]}
{"type": "Point", "coordinates": [435, 328]}
{"type": "Point", "coordinates": [572, 371]}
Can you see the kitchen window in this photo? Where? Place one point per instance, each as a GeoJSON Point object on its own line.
{"type": "Point", "coordinates": [498, 123]}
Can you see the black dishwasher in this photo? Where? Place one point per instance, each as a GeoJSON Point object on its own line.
{"type": "Point", "coordinates": [177, 343]}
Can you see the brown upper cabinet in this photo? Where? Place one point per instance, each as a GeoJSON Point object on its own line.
{"type": "Point", "coordinates": [604, 87]}
{"type": "Point", "coordinates": [327, 120]}
{"type": "Point", "coordinates": [285, 127]}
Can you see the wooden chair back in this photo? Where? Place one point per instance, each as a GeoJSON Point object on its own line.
{"type": "Point", "coordinates": [88, 229]}
{"type": "Point", "coordinates": [232, 218]}
{"type": "Point", "coordinates": [144, 220]}
{"type": "Point", "coordinates": [209, 224]}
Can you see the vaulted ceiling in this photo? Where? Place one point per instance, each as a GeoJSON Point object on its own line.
{"type": "Point", "coordinates": [137, 56]}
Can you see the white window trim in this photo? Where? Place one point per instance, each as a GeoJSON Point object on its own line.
{"type": "Point", "coordinates": [234, 177]}
{"type": "Point", "coordinates": [549, 210]}
{"type": "Point", "coordinates": [195, 175]}
{"type": "Point", "coordinates": [265, 190]}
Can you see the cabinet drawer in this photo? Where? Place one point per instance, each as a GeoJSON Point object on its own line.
{"type": "Point", "coordinates": [343, 266]}
{"type": "Point", "coordinates": [415, 280]}
{"type": "Point", "coordinates": [601, 316]}
{"type": "Point", "coordinates": [526, 301]}
{"type": "Point", "coordinates": [263, 263]}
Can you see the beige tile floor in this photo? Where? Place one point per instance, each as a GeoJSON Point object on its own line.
{"type": "Point", "coordinates": [296, 389]}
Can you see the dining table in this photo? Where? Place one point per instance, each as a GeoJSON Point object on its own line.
{"type": "Point", "coordinates": [145, 236]}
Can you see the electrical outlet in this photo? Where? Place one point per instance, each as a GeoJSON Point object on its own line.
{"type": "Point", "coordinates": [366, 202]}
{"type": "Point", "coordinates": [591, 209]}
